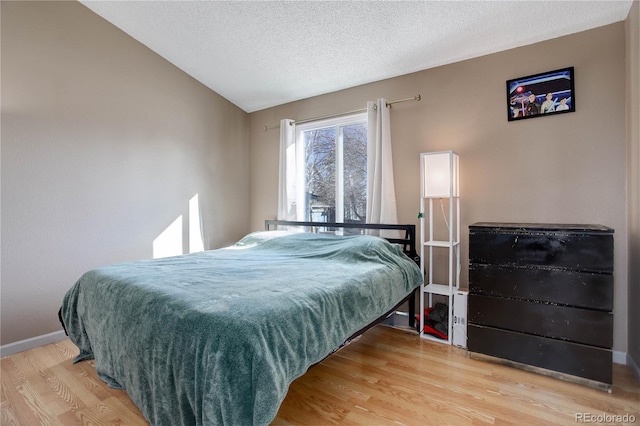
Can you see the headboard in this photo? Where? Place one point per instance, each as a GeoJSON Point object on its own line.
{"type": "Point", "coordinates": [408, 243]}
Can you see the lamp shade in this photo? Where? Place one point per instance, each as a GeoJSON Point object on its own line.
{"type": "Point", "coordinates": [440, 174]}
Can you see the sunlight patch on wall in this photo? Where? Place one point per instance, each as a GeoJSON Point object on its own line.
{"type": "Point", "coordinates": [169, 242]}
{"type": "Point", "coordinates": [195, 228]}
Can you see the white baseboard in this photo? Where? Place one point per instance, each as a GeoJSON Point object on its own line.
{"type": "Point", "coordinates": [634, 367]}
{"type": "Point", "coordinates": [33, 342]}
{"type": "Point", "coordinates": [620, 357]}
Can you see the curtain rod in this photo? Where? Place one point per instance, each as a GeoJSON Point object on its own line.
{"type": "Point", "coordinates": [306, 120]}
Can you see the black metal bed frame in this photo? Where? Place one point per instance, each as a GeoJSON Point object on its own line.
{"type": "Point", "coordinates": [408, 244]}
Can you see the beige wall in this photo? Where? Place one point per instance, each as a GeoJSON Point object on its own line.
{"type": "Point", "coordinates": [566, 168]}
{"type": "Point", "coordinates": [103, 145]}
{"type": "Point", "coordinates": [633, 189]}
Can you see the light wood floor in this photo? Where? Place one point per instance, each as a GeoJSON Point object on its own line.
{"type": "Point", "coordinates": [388, 376]}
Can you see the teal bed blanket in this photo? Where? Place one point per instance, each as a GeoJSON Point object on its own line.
{"type": "Point", "coordinates": [217, 337]}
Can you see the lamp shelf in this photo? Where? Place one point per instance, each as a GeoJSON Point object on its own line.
{"type": "Point", "coordinates": [445, 244]}
{"type": "Point", "coordinates": [441, 289]}
{"type": "Point", "coordinates": [433, 338]}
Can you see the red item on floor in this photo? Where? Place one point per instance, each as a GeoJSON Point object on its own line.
{"type": "Point", "coordinates": [428, 329]}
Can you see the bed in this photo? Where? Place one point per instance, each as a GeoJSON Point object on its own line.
{"type": "Point", "coordinates": [217, 337]}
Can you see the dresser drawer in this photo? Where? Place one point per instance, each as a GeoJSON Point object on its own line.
{"type": "Point", "coordinates": [580, 251]}
{"type": "Point", "coordinates": [570, 358]}
{"type": "Point", "coordinates": [555, 321]}
{"type": "Point", "coordinates": [573, 288]}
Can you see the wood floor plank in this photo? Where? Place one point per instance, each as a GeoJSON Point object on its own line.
{"type": "Point", "coordinates": [387, 377]}
{"type": "Point", "coordinates": [7, 410]}
{"type": "Point", "coordinates": [17, 398]}
{"type": "Point", "coordinates": [128, 413]}
{"type": "Point", "coordinates": [36, 405]}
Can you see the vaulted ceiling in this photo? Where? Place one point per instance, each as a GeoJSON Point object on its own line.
{"type": "Point", "coordinates": [259, 54]}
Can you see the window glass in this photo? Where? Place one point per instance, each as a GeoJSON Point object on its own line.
{"type": "Point", "coordinates": [355, 172]}
{"type": "Point", "coordinates": [335, 170]}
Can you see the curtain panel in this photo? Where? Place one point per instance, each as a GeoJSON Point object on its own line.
{"type": "Point", "coordinates": [287, 172]}
{"type": "Point", "coordinates": [381, 194]}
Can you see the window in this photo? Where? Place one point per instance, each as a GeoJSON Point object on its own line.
{"type": "Point", "coordinates": [332, 169]}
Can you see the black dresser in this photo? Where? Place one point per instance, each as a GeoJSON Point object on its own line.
{"type": "Point", "coordinates": [541, 298]}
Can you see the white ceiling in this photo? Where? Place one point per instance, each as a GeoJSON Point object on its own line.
{"type": "Point", "coordinates": [258, 54]}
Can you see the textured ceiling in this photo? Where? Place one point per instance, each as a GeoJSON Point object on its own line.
{"type": "Point", "coordinates": [259, 54]}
